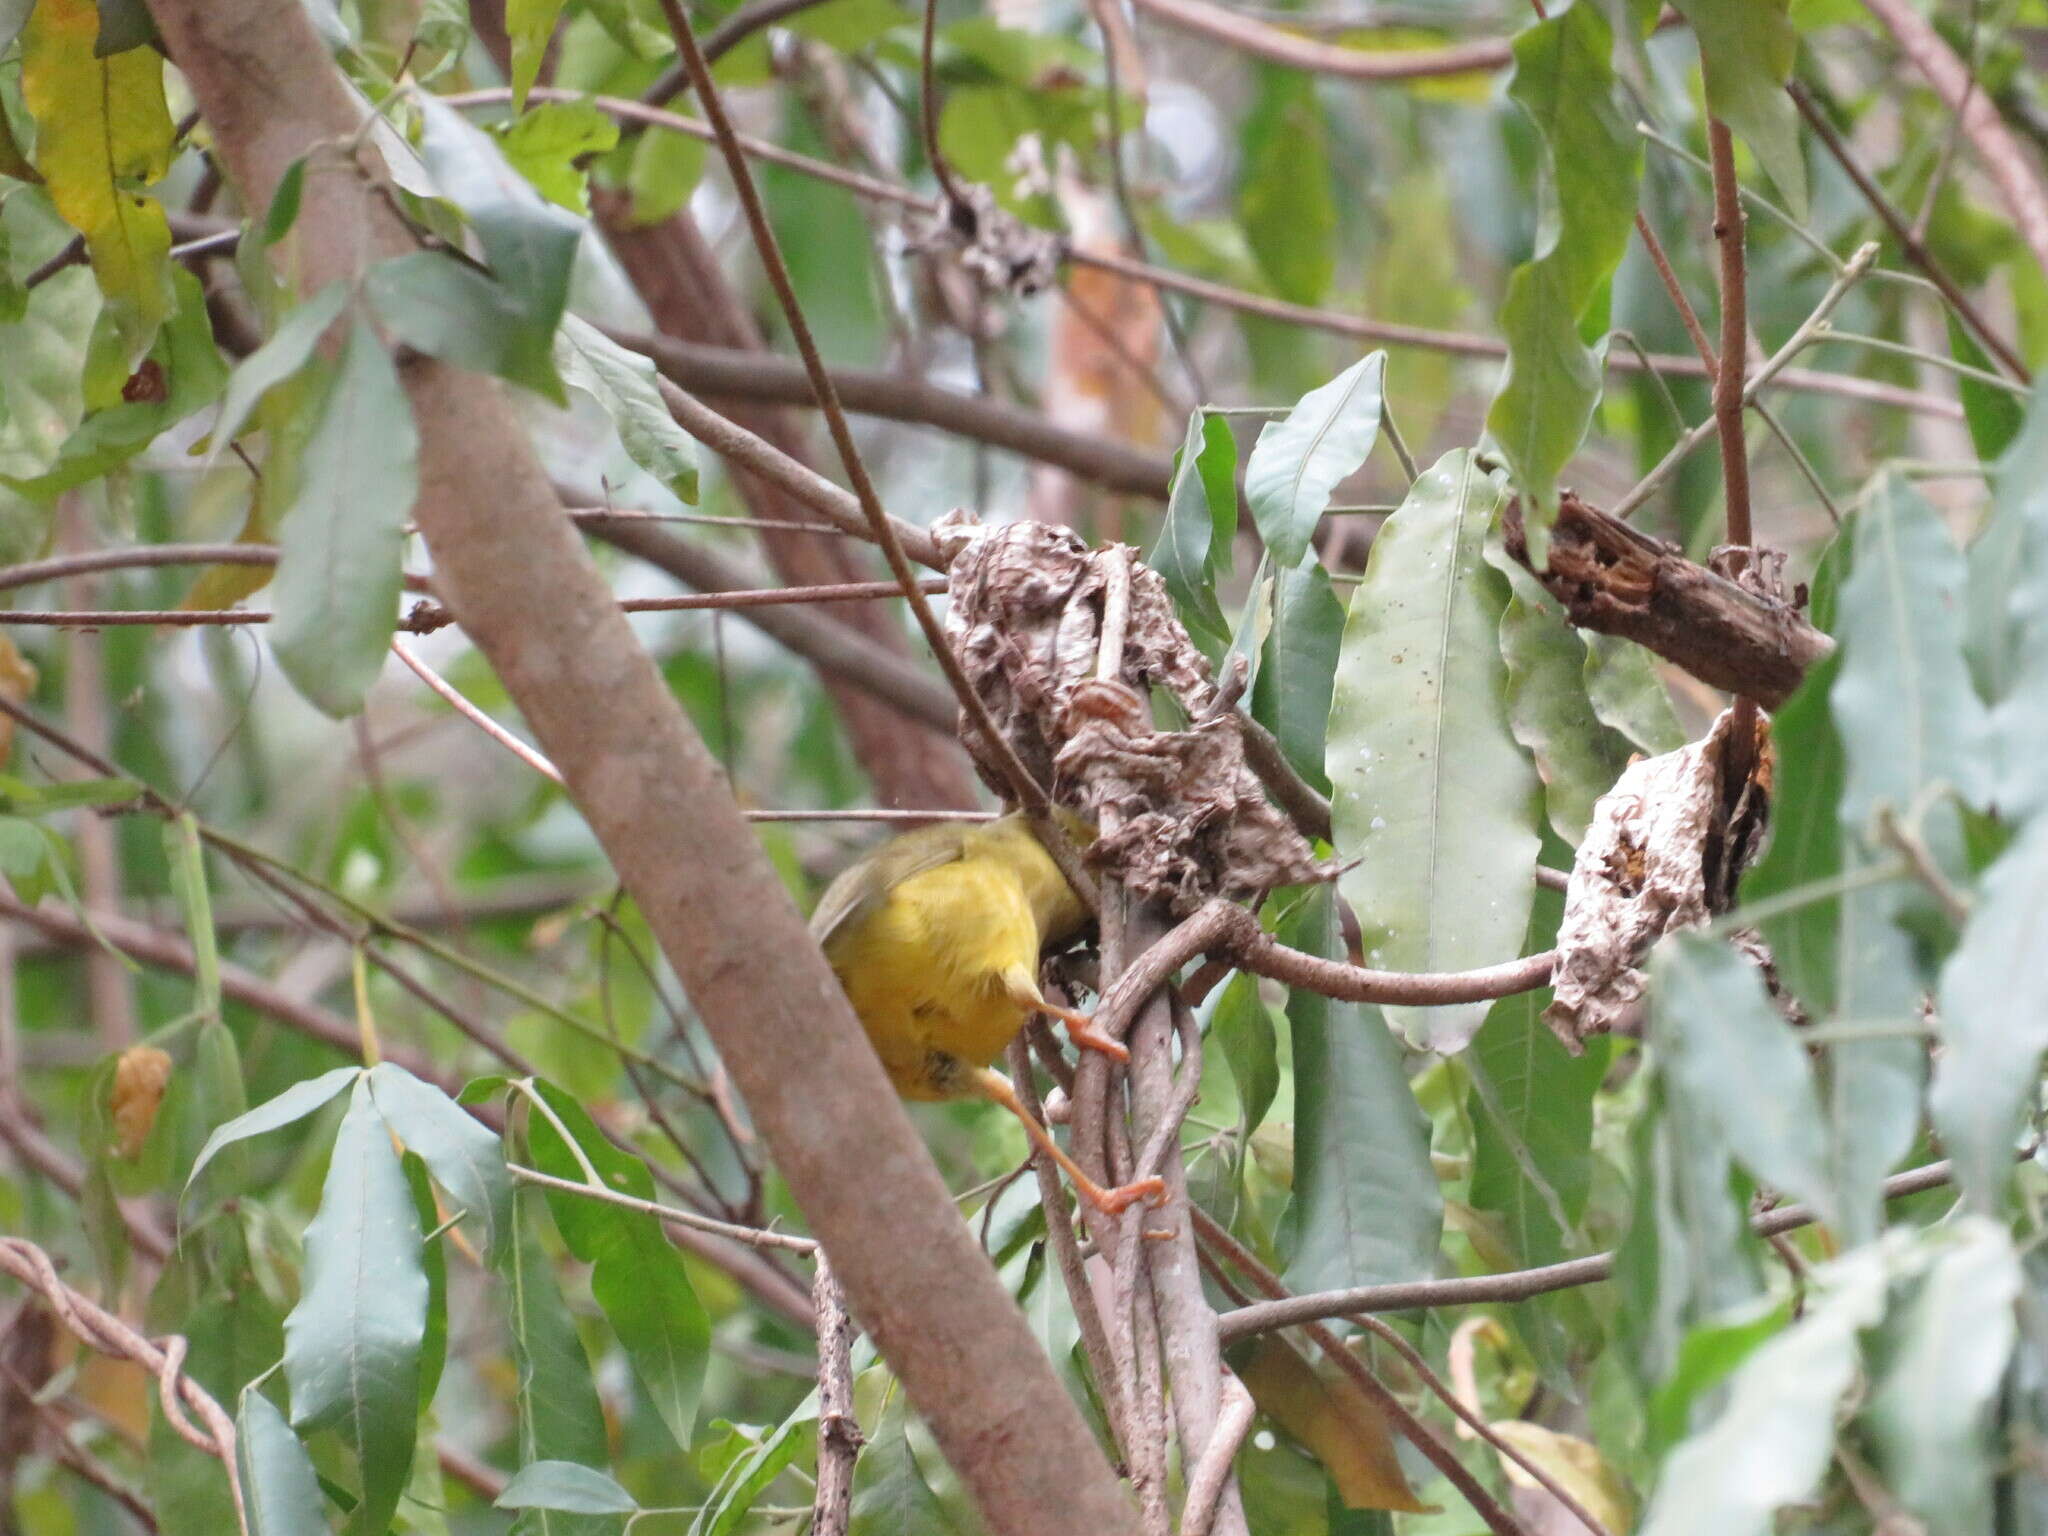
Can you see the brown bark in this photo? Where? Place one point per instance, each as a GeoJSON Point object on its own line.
{"type": "Point", "coordinates": [525, 590]}
{"type": "Point", "coordinates": [1616, 580]}
{"type": "Point", "coordinates": [724, 374]}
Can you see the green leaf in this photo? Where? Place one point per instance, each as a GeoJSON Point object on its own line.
{"type": "Point", "coordinates": [1201, 517]}
{"type": "Point", "coordinates": [665, 170]}
{"type": "Point", "coordinates": [623, 384]}
{"type": "Point", "coordinates": [1771, 1443]}
{"type": "Point", "coordinates": [890, 1494]}
{"type": "Point", "coordinates": [464, 1155]}
{"type": "Point", "coordinates": [1430, 789]}
{"type": "Point", "coordinates": [528, 242]}
{"type": "Point", "coordinates": [284, 354]}
{"type": "Point", "coordinates": [1532, 1126]}
{"type": "Point", "coordinates": [295, 1103]}
{"type": "Point", "coordinates": [1243, 1026]}
{"type": "Point", "coordinates": [1994, 1021]}
{"type": "Point", "coordinates": [352, 1344]}
{"type": "Point", "coordinates": [2006, 561]}
{"type": "Point", "coordinates": [1903, 702]}
{"type": "Point", "coordinates": [1687, 1253]}
{"type": "Point", "coordinates": [1628, 696]}
{"type": "Point", "coordinates": [1291, 695]}
{"type": "Point", "coordinates": [187, 860]}
{"type": "Point", "coordinates": [1727, 1052]}
{"type": "Point", "coordinates": [434, 1260]}
{"type": "Point", "coordinates": [1592, 158]}
{"type": "Point", "coordinates": [341, 548]}
{"type": "Point", "coordinates": [124, 24]}
{"type": "Point", "coordinates": [1747, 48]}
{"type": "Point", "coordinates": [2007, 622]}
{"type": "Point", "coordinates": [545, 143]}
{"type": "Point", "coordinates": [1286, 198]}
{"type": "Point", "coordinates": [750, 1473]}
{"type": "Point", "coordinates": [1299, 460]}
{"type": "Point", "coordinates": [76, 794]}
{"type": "Point", "coordinates": [1994, 415]}
{"type": "Point", "coordinates": [192, 375]}
{"type": "Point", "coordinates": [278, 1485]}
{"type": "Point", "coordinates": [208, 1293]}
{"type": "Point", "coordinates": [568, 1486]}
{"type": "Point", "coordinates": [1931, 1413]}
{"type": "Point", "coordinates": [636, 1274]}
{"type": "Point", "coordinates": [436, 305]}
{"type": "Point", "coordinates": [1549, 709]}
{"type": "Point", "coordinates": [558, 1411]}
{"type": "Point", "coordinates": [1366, 1204]}
{"type": "Point", "coordinates": [529, 24]}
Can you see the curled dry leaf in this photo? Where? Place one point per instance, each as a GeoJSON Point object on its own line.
{"type": "Point", "coordinates": [1666, 849]}
{"type": "Point", "coordinates": [140, 1077]}
{"type": "Point", "coordinates": [1003, 254]}
{"type": "Point", "coordinates": [1183, 817]}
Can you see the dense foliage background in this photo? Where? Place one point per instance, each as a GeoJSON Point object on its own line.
{"type": "Point", "coordinates": [321, 1011]}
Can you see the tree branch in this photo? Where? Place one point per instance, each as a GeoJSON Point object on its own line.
{"type": "Point", "coordinates": [2004, 161]}
{"type": "Point", "coordinates": [1515, 1285]}
{"type": "Point", "coordinates": [1615, 580]}
{"type": "Point", "coordinates": [527, 593]}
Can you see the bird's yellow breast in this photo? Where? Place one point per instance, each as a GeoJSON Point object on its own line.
{"type": "Point", "coordinates": [924, 967]}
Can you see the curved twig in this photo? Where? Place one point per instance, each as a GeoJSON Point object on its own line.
{"type": "Point", "coordinates": [164, 1359]}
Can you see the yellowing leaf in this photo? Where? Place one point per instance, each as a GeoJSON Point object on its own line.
{"type": "Point", "coordinates": [1334, 1421]}
{"type": "Point", "coordinates": [140, 1077]}
{"type": "Point", "coordinates": [102, 131]}
{"type": "Point", "coordinates": [223, 586]}
{"type": "Point", "coordinates": [1577, 1466]}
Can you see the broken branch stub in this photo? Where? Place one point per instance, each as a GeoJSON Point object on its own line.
{"type": "Point", "coordinates": [1183, 817]}
{"type": "Point", "coordinates": [1666, 850]}
{"type": "Point", "coordinates": [1737, 635]}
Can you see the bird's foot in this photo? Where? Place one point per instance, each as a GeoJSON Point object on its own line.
{"type": "Point", "coordinates": [1114, 1202]}
{"type": "Point", "coordinates": [1082, 1031]}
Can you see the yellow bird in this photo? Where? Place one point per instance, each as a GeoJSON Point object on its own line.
{"type": "Point", "coordinates": [936, 937]}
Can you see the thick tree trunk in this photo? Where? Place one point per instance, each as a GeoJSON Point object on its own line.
{"type": "Point", "coordinates": [525, 590]}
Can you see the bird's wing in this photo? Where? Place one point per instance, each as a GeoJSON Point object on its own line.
{"type": "Point", "coordinates": [859, 889]}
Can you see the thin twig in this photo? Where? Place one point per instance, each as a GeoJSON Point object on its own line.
{"type": "Point", "coordinates": [753, 1237]}
{"type": "Point", "coordinates": [1026, 790]}
{"type": "Point", "coordinates": [1729, 398]}
{"type": "Point", "coordinates": [1205, 1482]}
{"type": "Point", "coordinates": [1336, 322]}
{"type": "Point", "coordinates": [1814, 325]}
{"type": "Point", "coordinates": [2026, 199]}
{"type": "Point", "coordinates": [1439, 1455]}
{"type": "Point", "coordinates": [1513, 1285]}
{"type": "Point", "coordinates": [839, 1436]}
{"type": "Point", "coordinates": [1911, 244]}
{"type": "Point", "coordinates": [164, 1359]}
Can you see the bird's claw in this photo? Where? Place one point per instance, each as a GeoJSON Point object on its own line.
{"type": "Point", "coordinates": [1115, 1202]}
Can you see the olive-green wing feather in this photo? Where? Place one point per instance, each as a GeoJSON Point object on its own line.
{"type": "Point", "coordinates": [863, 884]}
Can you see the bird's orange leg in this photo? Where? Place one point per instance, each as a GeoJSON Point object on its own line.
{"type": "Point", "coordinates": [1111, 1202]}
{"type": "Point", "coordinates": [1080, 1027]}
